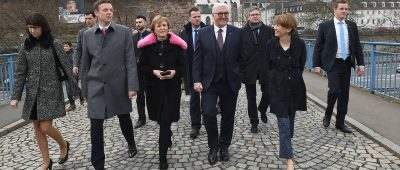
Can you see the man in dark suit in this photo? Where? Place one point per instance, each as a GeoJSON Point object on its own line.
{"type": "Point", "coordinates": [255, 66]}
{"type": "Point", "coordinates": [216, 75]}
{"type": "Point", "coordinates": [90, 20]}
{"type": "Point", "coordinates": [336, 49]}
{"type": "Point", "coordinates": [189, 34]}
{"type": "Point", "coordinates": [141, 98]}
{"type": "Point", "coordinates": [109, 79]}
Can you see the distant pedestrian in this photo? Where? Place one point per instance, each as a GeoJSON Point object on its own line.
{"type": "Point", "coordinates": [36, 71]}
{"type": "Point", "coordinates": [162, 68]}
{"type": "Point", "coordinates": [287, 57]}
{"type": "Point", "coordinates": [337, 49]}
{"type": "Point", "coordinates": [70, 51]}
{"type": "Point", "coordinates": [142, 32]}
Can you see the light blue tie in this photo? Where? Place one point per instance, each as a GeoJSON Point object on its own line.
{"type": "Point", "coordinates": [342, 40]}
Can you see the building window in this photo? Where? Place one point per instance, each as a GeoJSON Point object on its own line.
{"type": "Point", "coordinates": [362, 21]}
{"type": "Point", "coordinates": [391, 4]}
{"type": "Point", "coordinates": [365, 4]}
{"type": "Point", "coordinates": [367, 12]}
{"type": "Point", "coordinates": [383, 4]}
{"type": "Point", "coordinates": [373, 12]}
{"type": "Point", "coordinates": [379, 12]}
{"type": "Point", "coordinates": [373, 21]}
{"type": "Point", "coordinates": [373, 4]}
{"type": "Point", "coordinates": [301, 8]}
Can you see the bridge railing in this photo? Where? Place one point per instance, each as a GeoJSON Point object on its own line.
{"type": "Point", "coordinates": [382, 67]}
{"type": "Point", "coordinates": [6, 75]}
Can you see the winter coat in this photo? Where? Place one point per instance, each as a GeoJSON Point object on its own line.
{"type": "Point", "coordinates": [162, 96]}
{"type": "Point", "coordinates": [254, 63]}
{"type": "Point", "coordinates": [286, 85]}
{"type": "Point", "coordinates": [36, 71]}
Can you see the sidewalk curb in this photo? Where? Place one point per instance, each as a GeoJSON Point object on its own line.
{"type": "Point", "coordinates": [15, 125]}
{"type": "Point", "coordinates": [369, 133]}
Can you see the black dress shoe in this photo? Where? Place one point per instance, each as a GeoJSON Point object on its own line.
{"type": "Point", "coordinates": [254, 129]}
{"type": "Point", "coordinates": [194, 133]}
{"type": "Point", "coordinates": [343, 128]}
{"type": "Point", "coordinates": [224, 154]}
{"type": "Point", "coordinates": [132, 151]}
{"type": "Point", "coordinates": [326, 121]}
{"type": "Point", "coordinates": [65, 159]}
{"type": "Point", "coordinates": [140, 123]}
{"type": "Point", "coordinates": [212, 156]}
{"type": "Point", "coordinates": [264, 117]}
{"type": "Point", "coordinates": [163, 162]}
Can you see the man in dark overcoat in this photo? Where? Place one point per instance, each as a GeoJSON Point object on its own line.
{"type": "Point", "coordinates": [142, 32]}
{"type": "Point", "coordinates": [254, 65]}
{"type": "Point", "coordinates": [109, 79]}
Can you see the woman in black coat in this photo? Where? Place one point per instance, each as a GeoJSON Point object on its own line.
{"type": "Point", "coordinates": [162, 68]}
{"type": "Point", "coordinates": [287, 56]}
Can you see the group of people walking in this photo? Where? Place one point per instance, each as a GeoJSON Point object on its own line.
{"type": "Point", "coordinates": [114, 65]}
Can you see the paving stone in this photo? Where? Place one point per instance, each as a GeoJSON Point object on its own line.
{"type": "Point", "coordinates": [315, 147]}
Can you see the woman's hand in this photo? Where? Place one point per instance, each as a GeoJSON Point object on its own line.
{"type": "Point", "coordinates": [157, 73]}
{"type": "Point", "coordinates": [14, 104]}
{"type": "Point", "coordinates": [170, 76]}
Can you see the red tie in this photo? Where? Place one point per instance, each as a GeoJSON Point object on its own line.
{"type": "Point", "coordinates": [104, 29]}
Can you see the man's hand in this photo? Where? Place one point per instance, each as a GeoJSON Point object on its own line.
{"type": "Point", "coordinates": [75, 70]}
{"type": "Point", "coordinates": [360, 70]}
{"type": "Point", "coordinates": [131, 94]}
{"type": "Point", "coordinates": [14, 104]}
{"type": "Point", "coordinates": [198, 87]}
{"type": "Point", "coordinates": [318, 71]}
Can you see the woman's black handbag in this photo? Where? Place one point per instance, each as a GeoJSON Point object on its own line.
{"type": "Point", "coordinates": [62, 76]}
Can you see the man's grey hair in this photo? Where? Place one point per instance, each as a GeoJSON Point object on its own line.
{"type": "Point", "coordinates": [217, 5]}
{"type": "Point", "coordinates": [254, 8]}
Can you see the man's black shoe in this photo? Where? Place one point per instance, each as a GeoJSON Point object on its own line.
{"type": "Point", "coordinates": [326, 121]}
{"type": "Point", "coordinates": [140, 123]}
{"type": "Point", "coordinates": [343, 128]}
{"type": "Point", "coordinates": [194, 133]}
{"type": "Point", "coordinates": [264, 117]}
{"type": "Point", "coordinates": [254, 129]}
{"type": "Point", "coordinates": [224, 154]}
{"type": "Point", "coordinates": [132, 151]}
{"type": "Point", "coordinates": [212, 156]}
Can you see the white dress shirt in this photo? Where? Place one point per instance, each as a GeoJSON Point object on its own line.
{"type": "Point", "coordinates": [223, 32]}
{"type": "Point", "coordinates": [346, 38]}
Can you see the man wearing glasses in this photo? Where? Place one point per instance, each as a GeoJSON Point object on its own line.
{"type": "Point", "coordinates": [216, 75]}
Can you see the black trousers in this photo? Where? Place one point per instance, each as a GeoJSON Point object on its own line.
{"type": "Point", "coordinates": [251, 92]}
{"type": "Point", "coordinates": [195, 113]}
{"type": "Point", "coordinates": [227, 102]}
{"type": "Point", "coordinates": [97, 138]}
{"type": "Point", "coordinates": [141, 104]}
{"type": "Point", "coordinates": [339, 86]}
{"type": "Point", "coordinates": [69, 93]}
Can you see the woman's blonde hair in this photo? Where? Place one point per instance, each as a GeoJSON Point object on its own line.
{"type": "Point", "coordinates": [157, 20]}
{"type": "Point", "coordinates": [287, 21]}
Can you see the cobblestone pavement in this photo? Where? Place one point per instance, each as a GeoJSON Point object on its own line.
{"type": "Point", "coordinates": [315, 147]}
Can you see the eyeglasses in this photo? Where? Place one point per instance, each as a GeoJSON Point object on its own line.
{"type": "Point", "coordinates": [220, 14]}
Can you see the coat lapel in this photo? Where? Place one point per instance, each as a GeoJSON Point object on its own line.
{"type": "Point", "coordinates": [228, 40]}
{"type": "Point", "coordinates": [213, 39]}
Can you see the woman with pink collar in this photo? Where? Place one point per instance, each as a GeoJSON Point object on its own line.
{"type": "Point", "coordinates": [162, 67]}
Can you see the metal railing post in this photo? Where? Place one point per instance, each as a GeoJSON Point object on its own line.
{"type": "Point", "coordinates": [373, 70]}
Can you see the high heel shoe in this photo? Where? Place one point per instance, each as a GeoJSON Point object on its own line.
{"type": "Point", "coordinates": [50, 166]}
{"type": "Point", "coordinates": [65, 159]}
